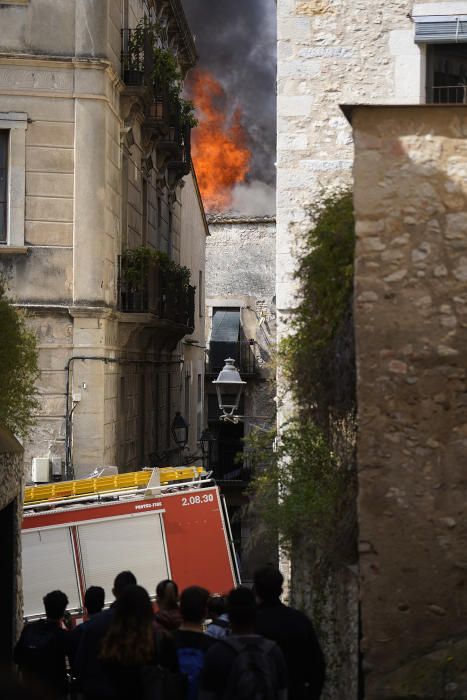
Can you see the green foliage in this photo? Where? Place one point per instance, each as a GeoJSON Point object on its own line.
{"type": "Point", "coordinates": [306, 490]}
{"type": "Point", "coordinates": [18, 360]}
{"type": "Point", "coordinates": [166, 71]}
{"type": "Point", "coordinates": [297, 489]}
{"type": "Point", "coordinates": [136, 263]}
{"type": "Point", "coordinates": [326, 283]}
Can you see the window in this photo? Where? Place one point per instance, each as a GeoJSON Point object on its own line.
{"type": "Point", "coordinates": [225, 336]}
{"type": "Point", "coordinates": [200, 294]}
{"type": "Point", "coordinates": [447, 74]}
{"type": "Point", "coordinates": [12, 177]}
{"type": "Point", "coordinates": [445, 37]}
{"type": "Point", "coordinates": [3, 185]}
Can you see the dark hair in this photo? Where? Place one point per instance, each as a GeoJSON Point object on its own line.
{"type": "Point", "coordinates": [122, 580]}
{"type": "Point", "coordinates": [94, 599]}
{"type": "Point", "coordinates": [268, 583]}
{"type": "Point", "coordinates": [167, 594]}
{"type": "Point", "coordinates": [193, 602]}
{"type": "Point", "coordinates": [130, 638]}
{"type": "Point", "coordinates": [55, 604]}
{"type": "Point", "coordinates": [241, 606]}
{"type": "Point", "coordinates": [216, 606]}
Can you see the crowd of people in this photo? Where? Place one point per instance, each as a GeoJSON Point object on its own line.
{"type": "Point", "coordinates": [249, 646]}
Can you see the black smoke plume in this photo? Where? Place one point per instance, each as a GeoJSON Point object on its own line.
{"type": "Point", "coordinates": [236, 42]}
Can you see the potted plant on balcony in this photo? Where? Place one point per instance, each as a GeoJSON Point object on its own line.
{"type": "Point", "coordinates": [134, 271]}
{"type": "Point", "coordinates": [165, 75]}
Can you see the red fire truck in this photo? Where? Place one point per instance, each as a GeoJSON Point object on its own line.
{"type": "Point", "coordinates": [161, 523]}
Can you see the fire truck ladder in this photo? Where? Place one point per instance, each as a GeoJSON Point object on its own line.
{"type": "Point", "coordinates": [105, 485]}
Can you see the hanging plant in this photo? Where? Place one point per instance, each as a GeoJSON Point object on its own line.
{"type": "Point", "coordinates": [166, 75]}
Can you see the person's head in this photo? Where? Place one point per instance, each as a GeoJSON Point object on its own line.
{"type": "Point", "coordinates": [55, 604]}
{"type": "Point", "coordinates": [241, 606]}
{"type": "Point", "coordinates": [193, 605]}
{"type": "Point", "coordinates": [216, 606]}
{"type": "Point", "coordinates": [130, 638]}
{"type": "Point", "coordinates": [94, 599]}
{"type": "Point", "coordinates": [267, 583]}
{"type": "Point", "coordinates": [167, 595]}
{"type": "Point", "coordinates": [122, 580]}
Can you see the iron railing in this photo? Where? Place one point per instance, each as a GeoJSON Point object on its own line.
{"type": "Point", "coordinates": [447, 94]}
{"type": "Point", "coordinates": [243, 352]}
{"type": "Point", "coordinates": [156, 290]}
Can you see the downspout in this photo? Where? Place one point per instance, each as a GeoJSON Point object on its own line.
{"type": "Point", "coordinates": [69, 472]}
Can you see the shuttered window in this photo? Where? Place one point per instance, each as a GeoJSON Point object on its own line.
{"type": "Point", "coordinates": [134, 543]}
{"type": "Point", "coordinates": [48, 564]}
{"type": "Point", "coordinates": [440, 29]}
{"type": "Point", "coordinates": [3, 184]}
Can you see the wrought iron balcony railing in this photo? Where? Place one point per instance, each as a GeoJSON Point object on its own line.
{"type": "Point", "coordinates": [447, 94]}
{"type": "Point", "coordinates": [156, 290]}
{"type": "Point", "coordinates": [243, 352]}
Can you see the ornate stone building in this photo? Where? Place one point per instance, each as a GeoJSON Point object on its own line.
{"type": "Point", "coordinates": [95, 162]}
{"type": "Point", "coordinates": [240, 323]}
{"type": "Point", "coordinates": [408, 267]}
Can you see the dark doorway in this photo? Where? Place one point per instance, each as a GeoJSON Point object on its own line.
{"type": "Point", "coordinates": [8, 566]}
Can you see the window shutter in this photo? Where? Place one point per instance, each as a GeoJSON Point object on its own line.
{"type": "Point", "coordinates": [433, 29]}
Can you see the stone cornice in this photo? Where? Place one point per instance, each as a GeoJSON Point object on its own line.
{"type": "Point", "coordinates": [231, 219]}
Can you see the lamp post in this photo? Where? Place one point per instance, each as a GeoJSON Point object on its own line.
{"type": "Point", "coordinates": [229, 387]}
{"type": "Point", "coordinates": [179, 430]}
{"type": "Point", "coordinates": [205, 441]}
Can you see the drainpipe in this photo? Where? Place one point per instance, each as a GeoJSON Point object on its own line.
{"type": "Point", "coordinates": [69, 471]}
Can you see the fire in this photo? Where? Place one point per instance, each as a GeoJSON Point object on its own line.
{"type": "Point", "coordinates": [219, 149]}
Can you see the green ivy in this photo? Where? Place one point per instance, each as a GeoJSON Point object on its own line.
{"type": "Point", "coordinates": [306, 489]}
{"type": "Point", "coordinates": [18, 360]}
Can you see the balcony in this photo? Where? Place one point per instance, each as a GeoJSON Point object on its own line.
{"type": "Point", "coordinates": [136, 57]}
{"type": "Point", "coordinates": [156, 290]}
{"type": "Point", "coordinates": [241, 351]}
{"type": "Point", "coordinates": [166, 123]}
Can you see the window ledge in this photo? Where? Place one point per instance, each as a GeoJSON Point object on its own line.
{"type": "Point", "coordinates": [14, 250]}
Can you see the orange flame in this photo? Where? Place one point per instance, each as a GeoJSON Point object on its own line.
{"type": "Point", "coordinates": [219, 148]}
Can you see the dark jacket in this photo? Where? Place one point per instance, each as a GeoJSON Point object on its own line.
{"type": "Point", "coordinates": [40, 654]}
{"type": "Point", "coordinates": [296, 637]}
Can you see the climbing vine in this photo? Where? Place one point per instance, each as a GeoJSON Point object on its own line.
{"type": "Point", "coordinates": [18, 360]}
{"type": "Point", "coordinates": [306, 488]}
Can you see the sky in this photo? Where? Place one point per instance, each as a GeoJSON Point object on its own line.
{"type": "Point", "coordinates": [236, 42]}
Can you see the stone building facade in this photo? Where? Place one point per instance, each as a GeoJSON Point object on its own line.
{"type": "Point", "coordinates": [97, 164]}
{"type": "Point", "coordinates": [240, 322]}
{"type": "Point", "coordinates": [410, 325]}
{"type": "Point", "coordinates": [334, 52]}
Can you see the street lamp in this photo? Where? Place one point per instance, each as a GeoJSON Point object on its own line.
{"type": "Point", "coordinates": [179, 429]}
{"type": "Point", "coordinates": [205, 441]}
{"type": "Point", "coordinates": [229, 387]}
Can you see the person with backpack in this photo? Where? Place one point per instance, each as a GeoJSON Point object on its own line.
{"type": "Point", "coordinates": [41, 649]}
{"type": "Point", "coordinates": [190, 641]}
{"type": "Point", "coordinates": [243, 665]}
{"type": "Point", "coordinates": [293, 631]}
{"type": "Point", "coordinates": [219, 626]}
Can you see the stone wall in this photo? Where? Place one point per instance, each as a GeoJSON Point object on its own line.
{"type": "Point", "coordinates": [410, 323]}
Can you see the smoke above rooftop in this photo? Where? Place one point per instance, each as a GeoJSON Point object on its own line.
{"type": "Point", "coordinates": [236, 43]}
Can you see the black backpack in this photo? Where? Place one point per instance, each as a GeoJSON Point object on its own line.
{"type": "Point", "coordinates": [37, 641]}
{"type": "Point", "coordinates": [253, 673]}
